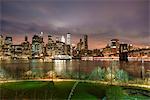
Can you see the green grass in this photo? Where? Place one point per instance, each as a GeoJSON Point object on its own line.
{"type": "Point", "coordinates": [84, 95]}
{"type": "Point", "coordinates": [24, 85]}
{"type": "Point", "coordinates": [89, 91]}
{"type": "Point", "coordinates": [61, 90]}
{"type": "Point", "coordinates": [119, 93]}
{"type": "Point", "coordinates": [26, 90]}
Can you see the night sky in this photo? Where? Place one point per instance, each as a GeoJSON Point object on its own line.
{"type": "Point", "coordinates": [102, 20]}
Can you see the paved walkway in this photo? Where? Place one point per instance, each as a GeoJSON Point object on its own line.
{"type": "Point", "coordinates": [89, 81]}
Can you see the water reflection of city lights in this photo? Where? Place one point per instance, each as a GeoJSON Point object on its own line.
{"type": "Point", "coordinates": [60, 66]}
{"type": "Point", "coordinates": [59, 61]}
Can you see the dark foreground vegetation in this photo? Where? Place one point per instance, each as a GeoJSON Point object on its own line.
{"type": "Point", "coordinates": [60, 90]}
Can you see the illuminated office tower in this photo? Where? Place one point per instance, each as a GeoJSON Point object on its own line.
{"type": "Point", "coordinates": [68, 42]}
{"type": "Point", "coordinates": [50, 46]}
{"type": "Point", "coordinates": [63, 39]}
{"type": "Point", "coordinates": [16, 51]}
{"type": "Point", "coordinates": [37, 45]}
{"type": "Point", "coordinates": [7, 46]}
{"type": "Point", "coordinates": [1, 40]}
{"type": "Point", "coordinates": [41, 34]}
{"type": "Point", "coordinates": [26, 47]}
{"type": "Point", "coordinates": [1, 44]}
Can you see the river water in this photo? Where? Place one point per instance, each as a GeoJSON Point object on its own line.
{"type": "Point", "coordinates": [17, 68]}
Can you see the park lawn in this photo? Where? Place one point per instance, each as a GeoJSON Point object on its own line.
{"type": "Point", "coordinates": [24, 85]}
{"type": "Point", "coordinates": [35, 90]}
{"type": "Point", "coordinates": [83, 96]}
{"type": "Point", "coordinates": [61, 90]}
{"type": "Point", "coordinates": [43, 90]}
{"type": "Point", "coordinates": [26, 89]}
{"type": "Point", "coordinates": [89, 91]}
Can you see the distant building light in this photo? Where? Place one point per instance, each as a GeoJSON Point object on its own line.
{"type": "Point", "coordinates": [41, 33]}
{"type": "Point", "coordinates": [131, 44]}
{"type": "Point", "coordinates": [147, 47]}
{"type": "Point", "coordinates": [73, 45]}
{"type": "Point", "coordinates": [113, 46]}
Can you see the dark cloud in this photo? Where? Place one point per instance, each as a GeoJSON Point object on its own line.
{"type": "Point", "coordinates": [102, 20]}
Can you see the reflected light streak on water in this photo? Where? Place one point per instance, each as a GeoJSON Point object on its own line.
{"type": "Point", "coordinates": [59, 66]}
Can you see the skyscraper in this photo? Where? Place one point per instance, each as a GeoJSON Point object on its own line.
{"type": "Point", "coordinates": [37, 45]}
{"type": "Point", "coordinates": [41, 34]}
{"type": "Point", "coordinates": [7, 46]}
{"type": "Point", "coordinates": [63, 39]}
{"type": "Point", "coordinates": [26, 48]}
{"type": "Point", "coordinates": [68, 42]}
{"type": "Point", "coordinates": [85, 42]}
{"type": "Point", "coordinates": [50, 46]}
{"type": "Point", "coordinates": [1, 44]}
{"type": "Point", "coordinates": [1, 41]}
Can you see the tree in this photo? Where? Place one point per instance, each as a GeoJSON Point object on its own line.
{"type": "Point", "coordinates": [97, 74]}
{"type": "Point", "coordinates": [121, 76]}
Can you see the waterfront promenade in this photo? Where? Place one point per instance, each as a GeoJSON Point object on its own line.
{"type": "Point", "coordinates": [115, 58]}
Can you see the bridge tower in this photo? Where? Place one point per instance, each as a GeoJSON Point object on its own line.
{"type": "Point", "coordinates": [123, 52]}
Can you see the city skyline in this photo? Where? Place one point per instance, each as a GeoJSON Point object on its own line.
{"type": "Point", "coordinates": [102, 20]}
{"type": "Point", "coordinates": [56, 37]}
